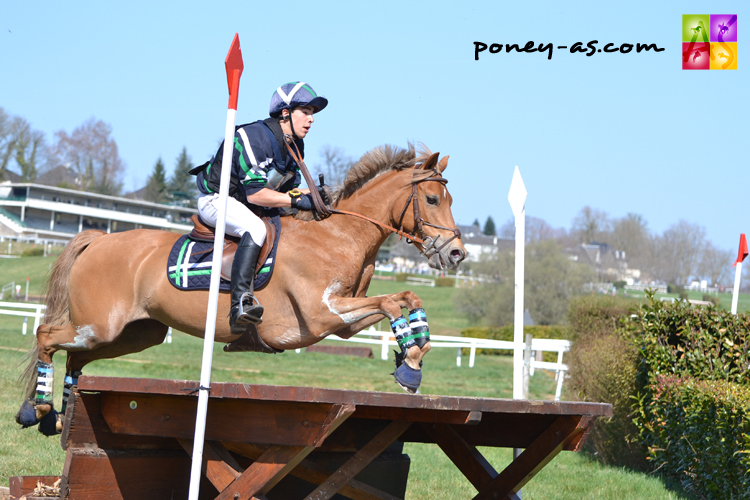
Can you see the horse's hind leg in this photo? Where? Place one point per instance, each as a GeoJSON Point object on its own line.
{"type": "Point", "coordinates": [38, 408]}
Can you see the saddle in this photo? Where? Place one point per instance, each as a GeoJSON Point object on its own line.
{"type": "Point", "coordinates": [202, 232]}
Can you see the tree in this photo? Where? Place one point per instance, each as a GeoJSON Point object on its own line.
{"type": "Point", "coordinates": [92, 153]}
{"type": "Point", "coordinates": [489, 227]}
{"type": "Point", "coordinates": [181, 185]}
{"type": "Point", "coordinates": [156, 188]}
{"type": "Point", "coordinates": [336, 165]}
{"type": "Point", "coordinates": [678, 251]}
{"type": "Point", "coordinates": [715, 264]}
{"type": "Point", "coordinates": [476, 223]}
{"type": "Point", "coordinates": [21, 147]}
{"type": "Point", "coordinates": [551, 280]}
{"type": "Point", "coordinates": [30, 150]}
{"type": "Point", "coordinates": [630, 234]}
{"type": "Point", "coordinates": [590, 225]}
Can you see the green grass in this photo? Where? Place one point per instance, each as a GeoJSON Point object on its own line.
{"type": "Point", "coordinates": [743, 301]}
{"type": "Point", "coordinates": [568, 476]}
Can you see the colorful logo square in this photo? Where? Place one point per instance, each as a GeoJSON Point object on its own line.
{"type": "Point", "coordinates": [726, 55]}
{"type": "Point", "coordinates": [709, 41]}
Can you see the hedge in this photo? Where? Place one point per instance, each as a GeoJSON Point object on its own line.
{"type": "Point", "coordinates": [698, 432]}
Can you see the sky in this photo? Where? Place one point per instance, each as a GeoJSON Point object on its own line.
{"type": "Point", "coordinates": [622, 133]}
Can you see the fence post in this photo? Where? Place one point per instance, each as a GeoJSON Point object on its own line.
{"type": "Point", "coordinates": [472, 354]}
{"type": "Point", "coordinates": [458, 357]}
{"type": "Point", "coordinates": [23, 330]}
{"type": "Point", "coordinates": [384, 347]}
{"type": "Point", "coordinates": [38, 317]}
{"type": "Point", "coordinates": [527, 365]}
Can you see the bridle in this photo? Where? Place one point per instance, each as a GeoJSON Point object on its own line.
{"type": "Point", "coordinates": [429, 248]}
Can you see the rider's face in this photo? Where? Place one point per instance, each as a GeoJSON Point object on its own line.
{"type": "Point", "coordinates": [302, 119]}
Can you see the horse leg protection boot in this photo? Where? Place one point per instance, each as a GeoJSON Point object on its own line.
{"type": "Point", "coordinates": [419, 329]}
{"type": "Point", "coordinates": [245, 310]}
{"type": "Point", "coordinates": [402, 332]}
{"type": "Point", "coordinates": [71, 379]}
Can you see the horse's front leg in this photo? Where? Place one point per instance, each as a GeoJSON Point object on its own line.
{"type": "Point", "coordinates": [412, 335]}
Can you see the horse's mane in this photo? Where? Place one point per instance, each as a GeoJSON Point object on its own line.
{"type": "Point", "coordinates": [373, 163]}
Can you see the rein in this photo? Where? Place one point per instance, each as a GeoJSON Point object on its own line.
{"type": "Point", "coordinates": [428, 243]}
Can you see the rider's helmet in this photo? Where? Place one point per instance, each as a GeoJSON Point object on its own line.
{"type": "Point", "coordinates": [294, 94]}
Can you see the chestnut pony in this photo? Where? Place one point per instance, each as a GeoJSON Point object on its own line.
{"type": "Point", "coordinates": [109, 295]}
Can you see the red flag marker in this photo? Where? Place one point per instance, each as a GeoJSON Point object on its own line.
{"type": "Point", "coordinates": [738, 272]}
{"type": "Point", "coordinates": [234, 66]}
{"type": "Point", "coordinates": [743, 250]}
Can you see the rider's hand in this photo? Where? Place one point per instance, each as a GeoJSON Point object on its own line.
{"type": "Point", "coordinates": [323, 195]}
{"type": "Point", "coordinates": [303, 202]}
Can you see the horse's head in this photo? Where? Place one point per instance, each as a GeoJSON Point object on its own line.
{"type": "Point", "coordinates": [430, 218]}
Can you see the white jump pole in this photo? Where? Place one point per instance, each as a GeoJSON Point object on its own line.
{"type": "Point", "coordinates": [517, 199]}
{"type": "Point", "coordinates": [738, 272]}
{"type": "Point", "coordinates": [234, 68]}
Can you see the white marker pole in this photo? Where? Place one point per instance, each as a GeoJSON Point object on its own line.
{"type": "Point", "coordinates": [517, 199]}
{"type": "Point", "coordinates": [234, 68]}
{"type": "Point", "coordinates": [738, 272]}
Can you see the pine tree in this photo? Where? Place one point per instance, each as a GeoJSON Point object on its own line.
{"type": "Point", "coordinates": [182, 188]}
{"type": "Point", "coordinates": [156, 189]}
{"type": "Point", "coordinates": [489, 227]}
{"type": "Point", "coordinates": [476, 223]}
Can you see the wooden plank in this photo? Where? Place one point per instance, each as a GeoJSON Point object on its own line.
{"type": "Point", "coordinates": [23, 485]}
{"type": "Point", "coordinates": [219, 466]}
{"type": "Point", "coordinates": [466, 457]}
{"type": "Point", "coordinates": [458, 417]}
{"type": "Point", "coordinates": [359, 461]}
{"type": "Point", "coordinates": [281, 423]}
{"type": "Point", "coordinates": [265, 472]}
{"type": "Point", "coordinates": [94, 474]}
{"type": "Point", "coordinates": [339, 396]}
{"type": "Point", "coordinates": [533, 459]}
{"type": "Point", "coordinates": [316, 474]}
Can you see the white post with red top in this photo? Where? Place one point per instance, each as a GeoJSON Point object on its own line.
{"type": "Point", "coordinates": [738, 272]}
{"type": "Point", "coordinates": [234, 67]}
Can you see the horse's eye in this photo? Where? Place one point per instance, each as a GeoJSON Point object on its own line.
{"type": "Point", "coordinates": [432, 200]}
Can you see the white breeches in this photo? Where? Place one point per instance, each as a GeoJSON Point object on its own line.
{"type": "Point", "coordinates": [240, 219]}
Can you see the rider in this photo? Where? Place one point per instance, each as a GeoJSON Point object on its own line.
{"type": "Point", "coordinates": [264, 178]}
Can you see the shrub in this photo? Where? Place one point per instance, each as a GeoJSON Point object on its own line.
{"type": "Point", "coordinates": [33, 252]}
{"type": "Point", "coordinates": [619, 284]}
{"type": "Point", "coordinates": [698, 433]}
{"type": "Point", "coordinates": [603, 364]}
{"type": "Point", "coordinates": [401, 276]}
{"type": "Point", "coordinates": [683, 295]}
{"type": "Point", "coordinates": [445, 282]}
{"type": "Point", "coordinates": [675, 289]}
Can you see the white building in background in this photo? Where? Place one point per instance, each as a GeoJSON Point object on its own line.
{"type": "Point", "coordinates": [39, 212]}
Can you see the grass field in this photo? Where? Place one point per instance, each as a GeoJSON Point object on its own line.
{"type": "Point", "coordinates": [568, 476]}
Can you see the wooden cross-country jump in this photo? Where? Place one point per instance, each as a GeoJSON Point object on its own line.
{"type": "Point", "coordinates": [129, 438]}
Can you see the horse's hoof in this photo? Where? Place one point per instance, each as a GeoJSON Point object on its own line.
{"type": "Point", "coordinates": [408, 378]}
{"type": "Point", "coordinates": [48, 424]}
{"type": "Point", "coordinates": [26, 415]}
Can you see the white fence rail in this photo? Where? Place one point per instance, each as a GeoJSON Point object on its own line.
{"type": "Point", "coordinates": [386, 340]}
{"type": "Point", "coordinates": [35, 311]}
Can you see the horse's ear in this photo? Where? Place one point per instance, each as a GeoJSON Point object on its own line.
{"type": "Point", "coordinates": [442, 164]}
{"type": "Point", "coordinates": [430, 163]}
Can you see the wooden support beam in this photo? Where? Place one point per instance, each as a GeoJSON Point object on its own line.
{"type": "Point", "coordinates": [316, 474]}
{"type": "Point", "coordinates": [533, 459]}
{"type": "Point", "coordinates": [360, 460]}
{"type": "Point", "coordinates": [266, 472]}
{"type": "Point", "coordinates": [465, 456]}
{"type": "Point", "coordinates": [218, 465]}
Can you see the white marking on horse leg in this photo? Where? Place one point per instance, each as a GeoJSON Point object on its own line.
{"type": "Point", "coordinates": [81, 340]}
{"type": "Point", "coordinates": [347, 318]}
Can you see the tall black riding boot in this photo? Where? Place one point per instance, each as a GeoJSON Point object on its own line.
{"type": "Point", "coordinates": [245, 310]}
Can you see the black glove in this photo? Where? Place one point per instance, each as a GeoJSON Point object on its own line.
{"type": "Point", "coordinates": [323, 195]}
{"type": "Point", "coordinates": [303, 202]}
